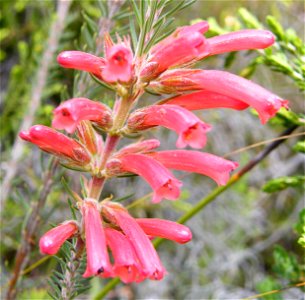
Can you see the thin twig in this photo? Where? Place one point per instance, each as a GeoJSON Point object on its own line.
{"type": "Point", "coordinates": [36, 96]}
{"type": "Point", "coordinates": [30, 230]}
{"type": "Point", "coordinates": [211, 197]}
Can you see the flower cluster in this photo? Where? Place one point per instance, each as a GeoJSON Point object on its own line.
{"type": "Point", "coordinates": [165, 69]}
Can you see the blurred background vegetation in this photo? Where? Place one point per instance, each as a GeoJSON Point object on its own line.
{"type": "Point", "coordinates": [246, 242]}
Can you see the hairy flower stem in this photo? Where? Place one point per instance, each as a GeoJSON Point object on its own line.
{"type": "Point", "coordinates": [112, 139]}
{"type": "Point", "coordinates": [72, 266]}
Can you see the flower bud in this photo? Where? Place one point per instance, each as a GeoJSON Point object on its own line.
{"type": "Point", "coordinates": [52, 240]}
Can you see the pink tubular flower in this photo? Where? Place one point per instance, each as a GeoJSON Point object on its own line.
{"type": "Point", "coordinates": [71, 112]}
{"type": "Point", "coordinates": [97, 255]}
{"type": "Point", "coordinates": [52, 240]}
{"type": "Point", "coordinates": [164, 184]}
{"type": "Point", "coordinates": [206, 100]}
{"type": "Point", "coordinates": [240, 40]}
{"type": "Point", "coordinates": [139, 147]}
{"type": "Point", "coordinates": [183, 46]}
{"type": "Point", "coordinates": [126, 265]}
{"type": "Point", "coordinates": [151, 266]}
{"type": "Point", "coordinates": [191, 130]}
{"type": "Point", "coordinates": [264, 102]}
{"type": "Point", "coordinates": [166, 229]}
{"type": "Point", "coordinates": [118, 63]}
{"type": "Point", "coordinates": [207, 164]}
{"type": "Point", "coordinates": [79, 60]}
{"type": "Point", "coordinates": [49, 140]}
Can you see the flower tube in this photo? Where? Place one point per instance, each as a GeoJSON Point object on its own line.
{"type": "Point", "coordinates": [139, 147]}
{"type": "Point", "coordinates": [97, 255]}
{"type": "Point", "coordinates": [246, 39]}
{"type": "Point", "coordinates": [191, 130]}
{"type": "Point", "coordinates": [49, 140]}
{"type": "Point", "coordinates": [263, 101]}
{"type": "Point", "coordinates": [126, 264]}
{"type": "Point", "coordinates": [164, 184]}
{"type": "Point", "coordinates": [166, 229]}
{"type": "Point", "coordinates": [68, 115]}
{"type": "Point", "coordinates": [151, 266]}
{"type": "Point", "coordinates": [52, 240]}
{"type": "Point", "coordinates": [206, 164]}
{"type": "Point", "coordinates": [79, 60]}
{"type": "Point", "coordinates": [206, 100]}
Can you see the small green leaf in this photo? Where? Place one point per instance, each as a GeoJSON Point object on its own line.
{"type": "Point", "coordinates": [267, 285]}
{"type": "Point", "coordinates": [299, 147]}
{"type": "Point", "coordinates": [282, 183]}
{"type": "Point", "coordinates": [286, 265]}
{"type": "Point", "coordinates": [249, 19]}
{"type": "Point", "coordinates": [276, 27]}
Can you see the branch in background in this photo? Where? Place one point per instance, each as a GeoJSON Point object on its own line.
{"type": "Point", "coordinates": [211, 197]}
{"type": "Point", "coordinates": [36, 95]}
{"type": "Point", "coordinates": [30, 231]}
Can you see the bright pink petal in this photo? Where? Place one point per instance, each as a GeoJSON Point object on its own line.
{"type": "Point", "coordinates": [240, 40]}
{"type": "Point", "coordinates": [49, 140]}
{"type": "Point", "coordinates": [52, 240]}
{"type": "Point", "coordinates": [191, 130]}
{"type": "Point", "coordinates": [206, 100]}
{"type": "Point", "coordinates": [146, 253]}
{"type": "Point", "coordinates": [71, 112]}
{"type": "Point", "coordinates": [164, 184]}
{"type": "Point", "coordinates": [118, 64]}
{"type": "Point", "coordinates": [79, 60]}
{"type": "Point", "coordinates": [166, 229]}
{"type": "Point", "coordinates": [97, 255]}
{"type": "Point", "coordinates": [126, 265]}
{"type": "Point", "coordinates": [207, 164]}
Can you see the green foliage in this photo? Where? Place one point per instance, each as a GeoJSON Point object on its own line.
{"type": "Point", "coordinates": [286, 265]}
{"type": "Point", "coordinates": [267, 285]}
{"type": "Point", "coordinates": [300, 227]}
{"type": "Point", "coordinates": [299, 147]}
{"type": "Point", "coordinates": [281, 183]}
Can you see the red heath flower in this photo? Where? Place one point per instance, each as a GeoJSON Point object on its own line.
{"type": "Point", "coordinates": [183, 46]}
{"type": "Point", "coordinates": [207, 164]}
{"type": "Point", "coordinates": [118, 63]}
{"type": "Point", "coordinates": [264, 102]}
{"type": "Point", "coordinates": [97, 255]}
{"type": "Point", "coordinates": [164, 184]}
{"type": "Point", "coordinates": [205, 100]}
{"type": "Point", "coordinates": [139, 147]}
{"type": "Point", "coordinates": [68, 115]}
{"type": "Point", "coordinates": [240, 40]}
{"type": "Point", "coordinates": [79, 60]}
{"type": "Point", "coordinates": [52, 240]}
{"type": "Point", "coordinates": [166, 229]}
{"type": "Point", "coordinates": [191, 130]}
{"type": "Point", "coordinates": [151, 266]}
{"type": "Point", "coordinates": [54, 142]}
{"type": "Point", "coordinates": [126, 264]}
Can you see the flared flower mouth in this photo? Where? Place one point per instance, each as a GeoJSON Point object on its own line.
{"type": "Point", "coordinates": [170, 190]}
